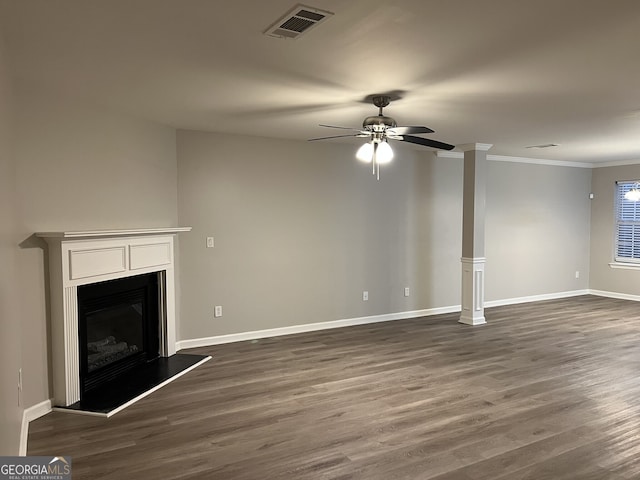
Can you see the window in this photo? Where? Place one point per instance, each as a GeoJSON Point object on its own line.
{"type": "Point", "coordinates": [627, 225]}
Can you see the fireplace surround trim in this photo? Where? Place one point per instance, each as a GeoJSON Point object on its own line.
{"type": "Point", "coordinates": [86, 257]}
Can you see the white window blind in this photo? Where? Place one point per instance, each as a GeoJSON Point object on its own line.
{"type": "Point", "coordinates": [627, 225]}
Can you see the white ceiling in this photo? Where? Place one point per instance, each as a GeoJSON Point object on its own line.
{"type": "Point", "coordinates": [512, 73]}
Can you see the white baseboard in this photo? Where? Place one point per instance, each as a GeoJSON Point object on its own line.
{"type": "Point", "coordinates": [24, 436]}
{"type": "Point", "coordinates": [29, 415]}
{"type": "Point", "coordinates": [535, 298]}
{"type": "Point", "coordinates": [621, 296]}
{"type": "Point", "coordinates": [312, 327]}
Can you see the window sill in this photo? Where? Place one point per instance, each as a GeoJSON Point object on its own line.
{"type": "Point", "coordinates": [625, 266]}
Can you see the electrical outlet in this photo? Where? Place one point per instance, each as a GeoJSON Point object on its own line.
{"type": "Point", "coordinates": [217, 311]}
{"type": "Point", "coordinates": [577, 273]}
{"type": "Point", "coordinates": [210, 243]}
{"type": "Point", "coordinates": [365, 296]}
{"type": "Point", "coordinates": [406, 291]}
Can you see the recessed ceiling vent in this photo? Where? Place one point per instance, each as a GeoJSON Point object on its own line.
{"type": "Point", "coordinates": [298, 20]}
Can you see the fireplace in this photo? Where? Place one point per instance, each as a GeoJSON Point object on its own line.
{"type": "Point", "coordinates": [118, 326]}
{"type": "Point", "coordinates": [112, 305]}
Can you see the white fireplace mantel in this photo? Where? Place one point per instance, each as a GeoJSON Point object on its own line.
{"type": "Point", "coordinates": [84, 257]}
{"type": "Point", "coordinates": [78, 234]}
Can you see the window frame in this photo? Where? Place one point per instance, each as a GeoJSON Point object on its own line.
{"type": "Point", "coordinates": [622, 208]}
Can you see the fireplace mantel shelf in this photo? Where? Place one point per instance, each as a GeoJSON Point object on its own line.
{"type": "Point", "coordinates": [79, 234]}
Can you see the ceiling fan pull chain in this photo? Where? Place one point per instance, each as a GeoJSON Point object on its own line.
{"type": "Point", "coordinates": [374, 158]}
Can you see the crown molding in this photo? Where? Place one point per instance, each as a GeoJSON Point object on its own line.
{"type": "Point", "coordinates": [449, 154]}
{"type": "Point", "coordinates": [616, 163]}
{"type": "Point", "coordinates": [466, 147]}
{"type": "Point", "coordinates": [535, 161]}
{"type": "Point", "coordinates": [540, 161]}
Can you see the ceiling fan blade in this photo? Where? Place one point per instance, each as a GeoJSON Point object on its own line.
{"type": "Point", "coordinates": [341, 128]}
{"type": "Point", "coordinates": [337, 136]}
{"type": "Point", "coordinates": [408, 130]}
{"type": "Point", "coordinates": [427, 142]}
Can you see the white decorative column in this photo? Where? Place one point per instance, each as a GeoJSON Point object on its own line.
{"type": "Point", "coordinates": [473, 219]}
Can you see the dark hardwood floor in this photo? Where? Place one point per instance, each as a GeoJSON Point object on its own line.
{"type": "Point", "coordinates": [546, 390]}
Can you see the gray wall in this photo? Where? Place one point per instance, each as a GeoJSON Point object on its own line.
{"type": "Point", "coordinates": [80, 167]}
{"type": "Point", "coordinates": [302, 229]}
{"type": "Point", "coordinates": [10, 321]}
{"type": "Point", "coordinates": [537, 229]}
{"type": "Point", "coordinates": [603, 277]}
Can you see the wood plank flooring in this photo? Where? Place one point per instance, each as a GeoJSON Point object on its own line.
{"type": "Point", "coordinates": [545, 390]}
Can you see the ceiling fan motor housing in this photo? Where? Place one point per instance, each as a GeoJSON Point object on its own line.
{"type": "Point", "coordinates": [380, 128]}
{"type": "Point", "coordinates": [379, 123]}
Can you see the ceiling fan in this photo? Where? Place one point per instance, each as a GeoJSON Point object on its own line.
{"type": "Point", "coordinates": [378, 129]}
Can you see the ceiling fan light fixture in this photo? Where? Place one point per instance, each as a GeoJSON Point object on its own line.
{"type": "Point", "coordinates": [384, 153]}
{"type": "Point", "coordinates": [365, 152]}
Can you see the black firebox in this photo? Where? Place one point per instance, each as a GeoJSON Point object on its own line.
{"type": "Point", "coordinates": [118, 326]}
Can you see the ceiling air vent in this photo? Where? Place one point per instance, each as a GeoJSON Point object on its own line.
{"type": "Point", "coordinates": [545, 145]}
{"type": "Point", "coordinates": [298, 20]}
